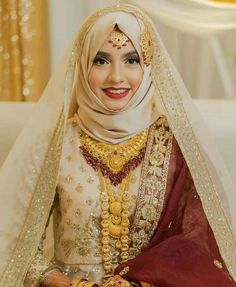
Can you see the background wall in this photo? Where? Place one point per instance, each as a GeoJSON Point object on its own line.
{"type": "Point", "coordinates": [192, 55]}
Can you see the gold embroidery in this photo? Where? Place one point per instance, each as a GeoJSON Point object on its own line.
{"type": "Point", "coordinates": [153, 185]}
{"type": "Point", "coordinates": [68, 221]}
{"type": "Point", "coordinates": [89, 201]}
{"type": "Point", "coordinates": [218, 264]}
{"type": "Point", "coordinates": [71, 140]}
{"type": "Point", "coordinates": [78, 212]}
{"type": "Point", "coordinates": [79, 187]}
{"type": "Point", "coordinates": [124, 271]}
{"type": "Point", "coordinates": [82, 168]}
{"type": "Point", "coordinates": [90, 179]}
{"type": "Point", "coordinates": [68, 201]}
{"type": "Point", "coordinates": [169, 226]}
{"type": "Point", "coordinates": [83, 243]}
{"type": "Point", "coordinates": [42, 200]}
{"type": "Point", "coordinates": [133, 178]}
{"type": "Point", "coordinates": [69, 158]}
{"type": "Point", "coordinates": [68, 179]}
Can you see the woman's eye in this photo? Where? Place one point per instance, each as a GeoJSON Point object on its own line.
{"type": "Point", "coordinates": [133, 61]}
{"type": "Point", "coordinates": [100, 62]}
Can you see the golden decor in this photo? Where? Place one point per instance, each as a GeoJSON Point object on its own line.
{"type": "Point", "coordinates": [81, 282]}
{"type": "Point", "coordinates": [114, 220]}
{"type": "Point", "coordinates": [146, 46]}
{"type": "Point", "coordinates": [118, 39]}
{"type": "Point", "coordinates": [24, 49]}
{"type": "Point", "coordinates": [114, 160]}
{"type": "Point", "coordinates": [116, 281]}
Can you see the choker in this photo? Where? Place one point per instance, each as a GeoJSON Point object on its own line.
{"type": "Point", "coordinates": [115, 161]}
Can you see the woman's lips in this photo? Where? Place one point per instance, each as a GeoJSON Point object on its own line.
{"type": "Point", "coordinates": [116, 93]}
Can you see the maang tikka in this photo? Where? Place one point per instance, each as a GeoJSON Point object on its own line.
{"type": "Point", "coordinates": [118, 39]}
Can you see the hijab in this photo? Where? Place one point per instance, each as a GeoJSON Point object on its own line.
{"type": "Point", "coordinates": [93, 116]}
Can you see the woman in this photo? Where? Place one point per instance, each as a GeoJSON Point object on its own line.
{"type": "Point", "coordinates": [126, 209]}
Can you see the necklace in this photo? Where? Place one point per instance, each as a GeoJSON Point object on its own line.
{"type": "Point", "coordinates": [114, 163]}
{"type": "Point", "coordinates": [114, 221]}
{"type": "Point", "coordinates": [114, 160]}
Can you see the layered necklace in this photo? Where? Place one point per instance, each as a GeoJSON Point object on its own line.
{"type": "Point", "coordinates": [114, 163]}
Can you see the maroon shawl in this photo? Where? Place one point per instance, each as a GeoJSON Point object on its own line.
{"type": "Point", "coordinates": [183, 251]}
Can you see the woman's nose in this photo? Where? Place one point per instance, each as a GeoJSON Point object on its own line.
{"type": "Point", "coordinates": [116, 74]}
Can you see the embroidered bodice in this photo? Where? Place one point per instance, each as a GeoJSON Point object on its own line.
{"type": "Point", "coordinates": [77, 210]}
{"type": "Point", "coordinates": [77, 207]}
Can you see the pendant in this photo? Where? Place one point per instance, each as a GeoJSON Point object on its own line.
{"type": "Point", "coordinates": [116, 162]}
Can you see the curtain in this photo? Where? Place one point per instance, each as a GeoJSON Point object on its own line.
{"type": "Point", "coordinates": [24, 49]}
{"type": "Point", "coordinates": [200, 59]}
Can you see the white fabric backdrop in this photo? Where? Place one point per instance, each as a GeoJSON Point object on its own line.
{"type": "Point", "coordinates": [192, 55]}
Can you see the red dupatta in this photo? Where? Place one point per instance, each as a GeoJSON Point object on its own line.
{"type": "Point", "coordinates": [183, 251]}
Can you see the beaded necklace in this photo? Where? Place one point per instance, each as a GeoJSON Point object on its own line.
{"type": "Point", "coordinates": [114, 221]}
{"type": "Point", "coordinates": [114, 164]}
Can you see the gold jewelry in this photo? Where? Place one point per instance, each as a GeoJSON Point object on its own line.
{"type": "Point", "coordinates": [114, 160]}
{"type": "Point", "coordinates": [76, 282]}
{"type": "Point", "coordinates": [118, 39]}
{"type": "Point", "coordinates": [91, 284]}
{"type": "Point", "coordinates": [116, 281]}
{"type": "Point", "coordinates": [114, 220]}
{"type": "Point", "coordinates": [146, 46]}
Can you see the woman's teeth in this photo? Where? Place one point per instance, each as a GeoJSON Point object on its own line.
{"type": "Point", "coordinates": [120, 91]}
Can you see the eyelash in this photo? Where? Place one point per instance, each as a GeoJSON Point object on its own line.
{"type": "Point", "coordinates": [98, 61]}
{"type": "Point", "coordinates": [133, 60]}
{"type": "Point", "coordinates": [102, 61]}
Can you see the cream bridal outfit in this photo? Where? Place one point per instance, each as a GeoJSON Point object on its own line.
{"type": "Point", "coordinates": [137, 194]}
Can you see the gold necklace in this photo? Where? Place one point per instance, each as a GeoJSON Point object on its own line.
{"type": "Point", "coordinates": [114, 220]}
{"type": "Point", "coordinates": [114, 160]}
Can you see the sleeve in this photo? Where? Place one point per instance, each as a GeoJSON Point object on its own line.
{"type": "Point", "coordinates": [40, 266]}
{"type": "Point", "coordinates": [183, 251]}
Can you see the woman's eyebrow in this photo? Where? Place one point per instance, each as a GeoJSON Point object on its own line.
{"type": "Point", "coordinates": [108, 55]}
{"type": "Point", "coordinates": [103, 54]}
{"type": "Point", "coordinates": [131, 54]}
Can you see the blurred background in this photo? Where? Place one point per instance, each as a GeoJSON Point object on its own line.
{"type": "Point", "coordinates": [200, 36]}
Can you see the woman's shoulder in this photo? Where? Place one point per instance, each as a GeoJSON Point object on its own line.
{"type": "Point", "coordinates": [165, 137]}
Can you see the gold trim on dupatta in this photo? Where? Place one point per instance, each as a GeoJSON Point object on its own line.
{"type": "Point", "coordinates": [37, 214]}
{"type": "Point", "coordinates": [153, 185]}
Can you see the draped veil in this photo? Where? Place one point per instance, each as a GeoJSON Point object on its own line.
{"type": "Point", "coordinates": [29, 175]}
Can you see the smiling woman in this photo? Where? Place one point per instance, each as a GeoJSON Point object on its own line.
{"type": "Point", "coordinates": [116, 73]}
{"type": "Point", "coordinates": [118, 156]}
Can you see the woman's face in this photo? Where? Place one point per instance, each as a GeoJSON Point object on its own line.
{"type": "Point", "coordinates": [115, 74]}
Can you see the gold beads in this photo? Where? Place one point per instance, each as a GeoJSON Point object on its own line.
{"type": "Point", "coordinates": [116, 208]}
{"type": "Point", "coordinates": [114, 220]}
{"type": "Point", "coordinates": [114, 230]}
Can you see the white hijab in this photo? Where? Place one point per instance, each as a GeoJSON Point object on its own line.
{"type": "Point", "coordinates": [94, 117]}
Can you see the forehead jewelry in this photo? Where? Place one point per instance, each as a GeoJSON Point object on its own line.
{"type": "Point", "coordinates": [118, 39]}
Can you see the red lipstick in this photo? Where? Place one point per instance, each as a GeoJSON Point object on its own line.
{"type": "Point", "coordinates": [116, 93]}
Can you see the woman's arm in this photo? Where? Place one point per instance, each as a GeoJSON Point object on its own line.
{"type": "Point", "coordinates": [42, 272]}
